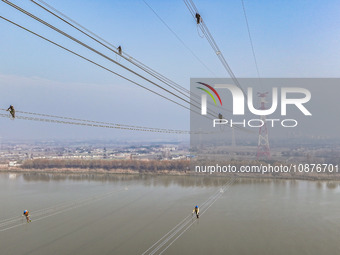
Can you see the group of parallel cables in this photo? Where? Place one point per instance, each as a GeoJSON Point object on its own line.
{"type": "Point", "coordinates": [32, 116]}
{"type": "Point", "coordinates": [168, 239]}
{"type": "Point", "coordinates": [38, 215]}
{"type": "Point", "coordinates": [158, 84]}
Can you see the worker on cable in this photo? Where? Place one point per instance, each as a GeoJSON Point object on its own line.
{"type": "Point", "coordinates": [119, 50]}
{"type": "Point", "coordinates": [11, 111]}
{"type": "Point", "coordinates": [198, 18]}
{"type": "Point", "coordinates": [26, 214]}
{"type": "Point", "coordinates": [197, 211]}
{"type": "Point", "coordinates": [220, 116]}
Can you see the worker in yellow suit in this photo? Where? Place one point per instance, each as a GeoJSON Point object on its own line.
{"type": "Point", "coordinates": [197, 211]}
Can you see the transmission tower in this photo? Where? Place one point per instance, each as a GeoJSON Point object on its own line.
{"type": "Point", "coordinates": [263, 149]}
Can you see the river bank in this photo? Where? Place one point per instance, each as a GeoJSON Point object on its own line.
{"type": "Point", "coordinates": [98, 171]}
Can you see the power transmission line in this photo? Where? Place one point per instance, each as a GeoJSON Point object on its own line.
{"type": "Point", "coordinates": [83, 44]}
{"type": "Point", "coordinates": [93, 62]}
{"type": "Point", "coordinates": [103, 55]}
{"type": "Point", "coordinates": [200, 22]}
{"type": "Point", "coordinates": [95, 51]}
{"type": "Point", "coordinates": [174, 33]}
{"type": "Point", "coordinates": [179, 39]}
{"type": "Point", "coordinates": [68, 50]}
{"type": "Point", "coordinates": [123, 54]}
{"type": "Point", "coordinates": [99, 53]}
{"type": "Point", "coordinates": [251, 43]}
{"type": "Point", "coordinates": [250, 39]}
{"type": "Point", "coordinates": [93, 124]}
{"type": "Point", "coordinates": [91, 121]}
{"type": "Point", "coordinates": [113, 49]}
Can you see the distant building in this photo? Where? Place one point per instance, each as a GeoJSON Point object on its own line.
{"type": "Point", "coordinates": [13, 163]}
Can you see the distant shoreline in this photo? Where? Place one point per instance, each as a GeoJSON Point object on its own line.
{"type": "Point", "coordinates": [69, 171]}
{"type": "Point", "coordinates": [89, 171]}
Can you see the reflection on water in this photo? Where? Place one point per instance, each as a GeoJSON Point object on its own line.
{"type": "Point", "coordinates": [162, 180]}
{"type": "Point", "coordinates": [332, 185]}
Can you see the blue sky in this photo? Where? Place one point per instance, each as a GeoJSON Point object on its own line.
{"type": "Point", "coordinates": [291, 39]}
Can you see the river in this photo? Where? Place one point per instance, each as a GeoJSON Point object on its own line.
{"type": "Point", "coordinates": [133, 214]}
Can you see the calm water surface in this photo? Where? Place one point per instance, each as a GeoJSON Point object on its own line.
{"type": "Point", "coordinates": [125, 214]}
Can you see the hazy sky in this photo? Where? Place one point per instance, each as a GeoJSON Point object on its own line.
{"type": "Point", "coordinates": [291, 39]}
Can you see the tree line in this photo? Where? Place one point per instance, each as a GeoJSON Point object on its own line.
{"type": "Point", "coordinates": [135, 165]}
